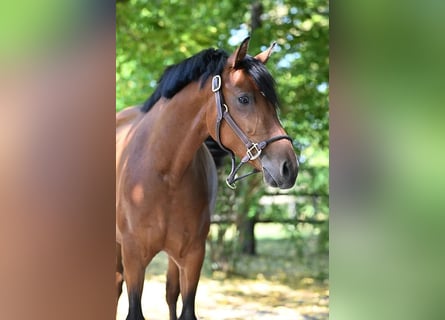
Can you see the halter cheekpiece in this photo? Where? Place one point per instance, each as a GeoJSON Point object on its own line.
{"type": "Point", "coordinates": [253, 150]}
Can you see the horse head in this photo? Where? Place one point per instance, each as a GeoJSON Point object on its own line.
{"type": "Point", "coordinates": [246, 118]}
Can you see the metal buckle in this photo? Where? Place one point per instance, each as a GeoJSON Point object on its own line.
{"type": "Point", "coordinates": [257, 151]}
{"type": "Point", "coordinates": [216, 83]}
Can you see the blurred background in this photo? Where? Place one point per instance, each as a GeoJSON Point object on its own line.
{"type": "Point", "coordinates": [257, 234]}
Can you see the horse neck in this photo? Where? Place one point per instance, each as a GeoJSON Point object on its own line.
{"type": "Point", "coordinates": [179, 129]}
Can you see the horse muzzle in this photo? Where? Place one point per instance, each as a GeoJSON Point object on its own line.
{"type": "Point", "coordinates": [280, 171]}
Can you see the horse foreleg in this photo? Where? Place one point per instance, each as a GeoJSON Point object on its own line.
{"type": "Point", "coordinates": [189, 277]}
{"type": "Point", "coordinates": [134, 274]}
{"type": "Point", "coordinates": [172, 288]}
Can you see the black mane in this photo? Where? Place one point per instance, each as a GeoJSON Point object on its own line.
{"type": "Point", "coordinates": [261, 76]}
{"type": "Point", "coordinates": [201, 66]}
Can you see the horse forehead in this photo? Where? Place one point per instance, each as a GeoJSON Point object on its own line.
{"type": "Point", "coordinates": [240, 79]}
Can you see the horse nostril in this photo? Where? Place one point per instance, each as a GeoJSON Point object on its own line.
{"type": "Point", "coordinates": [285, 169]}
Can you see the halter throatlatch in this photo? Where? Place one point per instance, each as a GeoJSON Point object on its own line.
{"type": "Point", "coordinates": [253, 150]}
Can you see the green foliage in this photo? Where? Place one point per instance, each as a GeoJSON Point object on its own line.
{"type": "Point", "coordinates": [154, 34]}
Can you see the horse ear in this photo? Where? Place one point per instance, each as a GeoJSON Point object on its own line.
{"type": "Point", "coordinates": [240, 53]}
{"type": "Point", "coordinates": [264, 56]}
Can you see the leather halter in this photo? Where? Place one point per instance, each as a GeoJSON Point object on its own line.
{"type": "Point", "coordinates": [253, 150]}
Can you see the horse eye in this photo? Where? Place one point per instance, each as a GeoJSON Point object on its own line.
{"type": "Point", "coordinates": [243, 100]}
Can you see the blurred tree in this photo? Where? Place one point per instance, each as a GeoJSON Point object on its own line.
{"type": "Point", "coordinates": [249, 194]}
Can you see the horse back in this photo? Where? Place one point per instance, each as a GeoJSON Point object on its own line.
{"type": "Point", "coordinates": [125, 121]}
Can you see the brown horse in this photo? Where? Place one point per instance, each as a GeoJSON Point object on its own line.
{"type": "Point", "coordinates": [165, 176]}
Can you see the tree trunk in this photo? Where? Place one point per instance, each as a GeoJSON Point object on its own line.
{"type": "Point", "coordinates": [247, 236]}
{"type": "Point", "coordinates": [256, 12]}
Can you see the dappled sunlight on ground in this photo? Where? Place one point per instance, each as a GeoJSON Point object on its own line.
{"type": "Point", "coordinates": [237, 298]}
{"type": "Point", "coordinates": [260, 299]}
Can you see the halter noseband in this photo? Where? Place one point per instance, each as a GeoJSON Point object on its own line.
{"type": "Point", "coordinates": [253, 150]}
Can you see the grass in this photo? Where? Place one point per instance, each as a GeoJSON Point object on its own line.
{"type": "Point", "coordinates": [291, 258]}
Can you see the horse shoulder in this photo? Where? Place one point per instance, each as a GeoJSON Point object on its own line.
{"type": "Point", "coordinates": [210, 172]}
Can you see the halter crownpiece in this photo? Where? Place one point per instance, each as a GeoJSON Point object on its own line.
{"type": "Point", "coordinates": [253, 150]}
{"type": "Point", "coordinates": [216, 83]}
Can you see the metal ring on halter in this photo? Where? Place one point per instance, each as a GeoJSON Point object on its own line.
{"type": "Point", "coordinates": [231, 185]}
